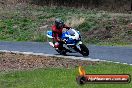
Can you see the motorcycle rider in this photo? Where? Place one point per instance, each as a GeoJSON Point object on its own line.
{"type": "Point", "coordinates": [57, 33]}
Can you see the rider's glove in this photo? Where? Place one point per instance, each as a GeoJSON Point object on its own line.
{"type": "Point", "coordinates": [68, 28]}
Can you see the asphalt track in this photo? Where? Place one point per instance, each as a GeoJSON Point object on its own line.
{"type": "Point", "coordinates": [108, 53]}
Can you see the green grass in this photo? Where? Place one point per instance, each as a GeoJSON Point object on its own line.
{"type": "Point", "coordinates": [62, 77]}
{"type": "Point", "coordinates": [24, 23]}
{"type": "Point", "coordinates": [119, 44]}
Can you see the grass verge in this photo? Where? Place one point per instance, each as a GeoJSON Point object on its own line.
{"type": "Point", "coordinates": [62, 77]}
{"type": "Point", "coordinates": [119, 44]}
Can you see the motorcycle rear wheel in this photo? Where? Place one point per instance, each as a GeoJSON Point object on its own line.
{"type": "Point", "coordinates": [61, 52]}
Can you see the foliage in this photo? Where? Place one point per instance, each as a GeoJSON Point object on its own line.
{"type": "Point", "coordinates": [61, 77]}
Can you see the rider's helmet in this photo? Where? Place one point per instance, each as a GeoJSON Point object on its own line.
{"type": "Point", "coordinates": [59, 23]}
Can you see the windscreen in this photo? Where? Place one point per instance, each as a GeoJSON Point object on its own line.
{"type": "Point", "coordinates": [71, 32]}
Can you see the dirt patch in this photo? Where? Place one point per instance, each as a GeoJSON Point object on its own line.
{"type": "Point", "coordinates": [12, 61]}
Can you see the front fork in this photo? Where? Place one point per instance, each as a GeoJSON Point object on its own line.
{"type": "Point", "coordinates": [77, 47]}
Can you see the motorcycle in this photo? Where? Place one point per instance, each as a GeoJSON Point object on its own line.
{"type": "Point", "coordinates": [72, 44]}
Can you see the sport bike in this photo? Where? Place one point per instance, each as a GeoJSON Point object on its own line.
{"type": "Point", "coordinates": [72, 42]}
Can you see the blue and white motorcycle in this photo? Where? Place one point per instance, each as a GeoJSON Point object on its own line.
{"type": "Point", "coordinates": [72, 43]}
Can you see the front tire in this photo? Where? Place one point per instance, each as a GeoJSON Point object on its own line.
{"type": "Point", "coordinates": [84, 50]}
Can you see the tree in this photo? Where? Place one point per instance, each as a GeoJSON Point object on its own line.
{"type": "Point", "coordinates": [96, 2]}
{"type": "Point", "coordinates": [131, 5]}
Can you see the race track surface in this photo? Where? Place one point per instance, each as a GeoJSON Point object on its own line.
{"type": "Point", "coordinates": [109, 53]}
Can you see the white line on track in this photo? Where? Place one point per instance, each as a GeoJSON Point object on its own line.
{"type": "Point", "coordinates": [70, 57]}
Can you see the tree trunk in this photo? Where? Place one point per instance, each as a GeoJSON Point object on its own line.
{"type": "Point", "coordinates": [131, 5]}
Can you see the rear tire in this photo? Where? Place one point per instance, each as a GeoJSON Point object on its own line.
{"type": "Point", "coordinates": [84, 50]}
{"type": "Point", "coordinates": [61, 52]}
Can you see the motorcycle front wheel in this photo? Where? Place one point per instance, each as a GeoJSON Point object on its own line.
{"type": "Point", "coordinates": [84, 50]}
